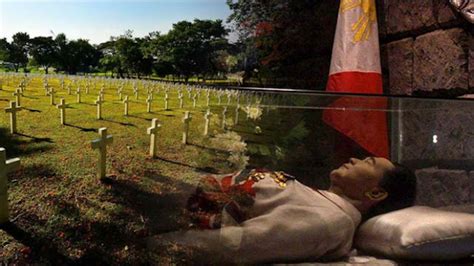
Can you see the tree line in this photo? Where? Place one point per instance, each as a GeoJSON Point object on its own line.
{"type": "Point", "coordinates": [190, 49]}
{"type": "Point", "coordinates": [284, 43]}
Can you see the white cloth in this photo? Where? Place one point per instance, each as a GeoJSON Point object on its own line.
{"type": "Point", "coordinates": [294, 223]}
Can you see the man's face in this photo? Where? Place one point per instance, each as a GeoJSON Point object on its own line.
{"type": "Point", "coordinates": [359, 176]}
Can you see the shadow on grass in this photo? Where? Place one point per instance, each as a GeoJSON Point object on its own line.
{"type": "Point", "coordinates": [34, 171]}
{"type": "Point", "coordinates": [120, 123]}
{"type": "Point", "coordinates": [40, 248]}
{"type": "Point", "coordinates": [35, 139]}
{"type": "Point", "coordinates": [81, 128]}
{"type": "Point", "coordinates": [32, 110]}
{"type": "Point", "coordinates": [163, 212]}
{"type": "Point", "coordinates": [209, 148]}
{"type": "Point", "coordinates": [30, 97]}
{"type": "Point", "coordinates": [209, 170]}
{"type": "Point", "coordinates": [138, 117]}
{"type": "Point", "coordinates": [17, 147]}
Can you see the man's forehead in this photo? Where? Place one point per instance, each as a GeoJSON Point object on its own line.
{"type": "Point", "coordinates": [384, 162]}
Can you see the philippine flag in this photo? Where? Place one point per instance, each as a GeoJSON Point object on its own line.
{"type": "Point", "coordinates": [355, 68]}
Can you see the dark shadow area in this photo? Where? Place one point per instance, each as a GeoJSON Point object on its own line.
{"type": "Point", "coordinates": [81, 128]}
{"type": "Point", "coordinates": [16, 147]}
{"type": "Point", "coordinates": [30, 97]}
{"type": "Point", "coordinates": [40, 248]}
{"type": "Point", "coordinates": [209, 148]}
{"type": "Point", "coordinates": [32, 110]}
{"type": "Point", "coordinates": [147, 119]}
{"type": "Point", "coordinates": [163, 212]}
{"type": "Point", "coordinates": [41, 171]}
{"type": "Point", "coordinates": [120, 123]}
{"type": "Point", "coordinates": [200, 169]}
{"type": "Point", "coordinates": [35, 139]}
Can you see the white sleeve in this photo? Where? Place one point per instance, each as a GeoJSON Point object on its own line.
{"type": "Point", "coordinates": [288, 233]}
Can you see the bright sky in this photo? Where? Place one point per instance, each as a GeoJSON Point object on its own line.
{"type": "Point", "coordinates": [97, 20]}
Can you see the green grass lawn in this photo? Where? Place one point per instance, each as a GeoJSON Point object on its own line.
{"type": "Point", "coordinates": [61, 212]}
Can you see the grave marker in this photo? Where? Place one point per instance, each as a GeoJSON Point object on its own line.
{"type": "Point", "coordinates": [51, 96]}
{"type": "Point", "coordinates": [101, 145]}
{"type": "Point", "coordinates": [153, 131]}
{"type": "Point", "coordinates": [224, 112]}
{"type": "Point", "coordinates": [78, 92]}
{"type": "Point", "coordinates": [166, 102]}
{"type": "Point", "coordinates": [207, 117]}
{"type": "Point", "coordinates": [13, 110]}
{"type": "Point", "coordinates": [99, 103]}
{"type": "Point", "coordinates": [148, 104]}
{"type": "Point", "coordinates": [237, 114]}
{"type": "Point", "coordinates": [180, 96]}
{"type": "Point", "coordinates": [62, 107]}
{"type": "Point", "coordinates": [126, 101]}
{"type": "Point", "coordinates": [18, 95]}
{"type": "Point", "coordinates": [187, 118]}
{"type": "Point", "coordinates": [6, 166]}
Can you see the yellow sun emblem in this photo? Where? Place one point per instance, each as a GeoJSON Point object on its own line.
{"type": "Point", "coordinates": [362, 27]}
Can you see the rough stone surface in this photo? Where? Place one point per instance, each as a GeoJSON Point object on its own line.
{"type": "Point", "coordinates": [400, 66]}
{"type": "Point", "coordinates": [408, 15]}
{"type": "Point", "coordinates": [443, 12]}
{"type": "Point", "coordinates": [439, 187]}
{"type": "Point", "coordinates": [447, 120]}
{"type": "Point", "coordinates": [440, 60]}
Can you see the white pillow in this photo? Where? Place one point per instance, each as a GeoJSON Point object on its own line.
{"type": "Point", "coordinates": [420, 233]}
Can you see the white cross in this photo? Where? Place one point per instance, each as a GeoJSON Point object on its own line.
{"type": "Point", "coordinates": [78, 95]}
{"type": "Point", "coordinates": [62, 107]}
{"type": "Point", "coordinates": [18, 95]}
{"type": "Point", "coordinates": [148, 104]}
{"type": "Point", "coordinates": [208, 98]}
{"type": "Point", "coordinates": [6, 166]}
{"type": "Point", "coordinates": [237, 114]}
{"type": "Point", "coordinates": [120, 94]}
{"type": "Point", "coordinates": [99, 103]}
{"type": "Point", "coordinates": [101, 145]}
{"type": "Point", "coordinates": [187, 118]}
{"type": "Point", "coordinates": [153, 131]}
{"type": "Point", "coordinates": [135, 91]}
{"type": "Point", "coordinates": [51, 95]}
{"type": "Point", "coordinates": [13, 110]}
{"type": "Point", "coordinates": [180, 96]}
{"type": "Point", "coordinates": [125, 101]}
{"type": "Point", "coordinates": [224, 112]}
{"type": "Point", "coordinates": [69, 89]}
{"type": "Point", "coordinates": [194, 100]}
{"type": "Point", "coordinates": [166, 102]}
{"type": "Point", "coordinates": [22, 86]}
{"type": "Point", "coordinates": [207, 117]}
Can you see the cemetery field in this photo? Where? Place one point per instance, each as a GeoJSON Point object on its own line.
{"type": "Point", "coordinates": [62, 212]}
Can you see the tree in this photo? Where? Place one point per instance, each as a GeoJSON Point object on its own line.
{"type": "Point", "coordinates": [82, 56]}
{"type": "Point", "coordinates": [190, 46]}
{"type": "Point", "coordinates": [290, 40]}
{"type": "Point", "coordinates": [44, 51]}
{"type": "Point", "coordinates": [19, 50]}
{"type": "Point", "coordinates": [4, 50]}
{"type": "Point", "coordinates": [62, 52]}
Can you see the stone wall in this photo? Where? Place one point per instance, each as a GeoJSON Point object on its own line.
{"type": "Point", "coordinates": [427, 48]}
